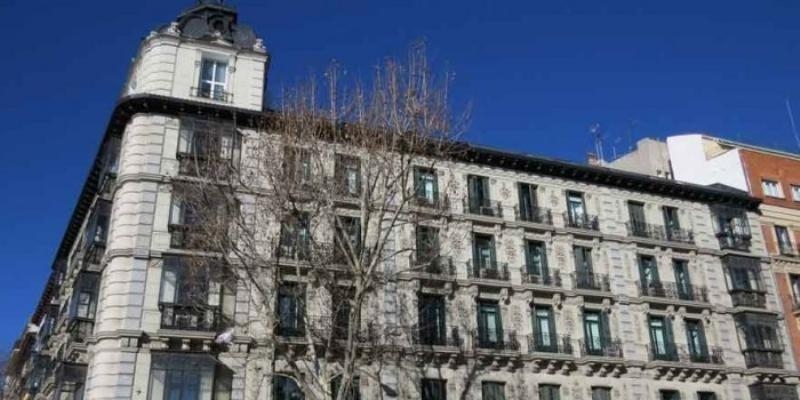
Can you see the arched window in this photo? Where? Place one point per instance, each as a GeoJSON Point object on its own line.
{"type": "Point", "coordinates": [285, 388]}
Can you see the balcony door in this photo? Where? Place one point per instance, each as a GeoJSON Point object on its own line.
{"type": "Point", "coordinates": [660, 337]}
{"type": "Point", "coordinates": [483, 253]}
{"type": "Point", "coordinates": [536, 259]}
{"type": "Point", "coordinates": [478, 193]}
{"type": "Point", "coordinates": [696, 339]}
{"type": "Point", "coordinates": [671, 221]}
{"type": "Point", "coordinates": [490, 326]}
{"type": "Point", "coordinates": [648, 273]}
{"type": "Point", "coordinates": [291, 310]}
{"type": "Point", "coordinates": [432, 329]}
{"type": "Point", "coordinates": [544, 329]}
{"type": "Point", "coordinates": [576, 210]}
{"type": "Point", "coordinates": [595, 331]}
{"type": "Point", "coordinates": [682, 279]}
{"type": "Point", "coordinates": [636, 215]}
{"type": "Point", "coordinates": [527, 201]}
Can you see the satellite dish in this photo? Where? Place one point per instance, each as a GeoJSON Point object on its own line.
{"type": "Point", "coordinates": [244, 37]}
{"type": "Point", "coordinates": [195, 28]}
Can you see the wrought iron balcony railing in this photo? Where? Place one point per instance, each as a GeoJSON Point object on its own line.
{"type": "Point", "coordinates": [550, 344]}
{"type": "Point", "coordinates": [537, 215]}
{"type": "Point", "coordinates": [763, 359]}
{"type": "Point", "coordinates": [581, 221]}
{"type": "Point", "coordinates": [551, 278]}
{"type": "Point", "coordinates": [185, 236]}
{"type": "Point", "coordinates": [434, 265]}
{"type": "Point", "coordinates": [734, 240]}
{"type": "Point", "coordinates": [486, 208]}
{"type": "Point", "coordinates": [681, 353]}
{"type": "Point", "coordinates": [435, 335]}
{"type": "Point", "coordinates": [438, 202]}
{"type": "Point", "coordinates": [714, 355]}
{"type": "Point", "coordinates": [198, 165]}
{"type": "Point", "coordinates": [190, 317]}
{"type": "Point", "coordinates": [95, 250]}
{"type": "Point", "coordinates": [601, 347]}
{"type": "Point", "coordinates": [786, 249]}
{"type": "Point", "coordinates": [659, 232]}
{"type": "Point", "coordinates": [666, 352]}
{"type": "Point", "coordinates": [488, 270]}
{"type": "Point", "coordinates": [80, 329]}
{"type": "Point", "coordinates": [672, 290]}
{"type": "Point", "coordinates": [748, 298]}
{"type": "Point", "coordinates": [213, 94]}
{"type": "Point", "coordinates": [507, 342]}
{"type": "Point", "coordinates": [591, 281]}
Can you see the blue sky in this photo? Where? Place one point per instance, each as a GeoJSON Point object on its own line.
{"type": "Point", "coordinates": [538, 75]}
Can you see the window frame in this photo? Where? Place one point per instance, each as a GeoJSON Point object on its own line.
{"type": "Point", "coordinates": [772, 188]}
{"type": "Point", "coordinates": [216, 89]}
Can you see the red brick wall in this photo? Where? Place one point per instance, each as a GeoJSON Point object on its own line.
{"type": "Point", "coordinates": [785, 294]}
{"type": "Point", "coordinates": [769, 238]}
{"type": "Point", "coordinates": [784, 170]}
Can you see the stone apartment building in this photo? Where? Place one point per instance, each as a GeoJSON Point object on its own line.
{"type": "Point", "coordinates": [770, 175]}
{"type": "Point", "coordinates": [571, 282]}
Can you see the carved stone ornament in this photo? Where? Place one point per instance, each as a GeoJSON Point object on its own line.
{"type": "Point", "coordinates": [505, 193]}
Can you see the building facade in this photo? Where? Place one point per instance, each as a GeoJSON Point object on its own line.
{"type": "Point", "coordinates": [770, 175]}
{"type": "Point", "coordinates": [563, 281]}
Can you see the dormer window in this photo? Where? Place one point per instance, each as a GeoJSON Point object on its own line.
{"type": "Point", "coordinates": [213, 80]}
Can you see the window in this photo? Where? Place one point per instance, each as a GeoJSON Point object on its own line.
{"type": "Point", "coordinates": [207, 148]}
{"type": "Point", "coordinates": [484, 255]}
{"type": "Point", "coordinates": [648, 273]}
{"type": "Point", "coordinates": [434, 389]}
{"type": "Point", "coordinates": [347, 241]}
{"type": "Point", "coordinates": [683, 280]}
{"type": "Point", "coordinates": [696, 339]}
{"type": "Point", "coordinates": [213, 79]}
{"type": "Point", "coordinates": [670, 395]}
{"type": "Point", "coordinates": [193, 297]}
{"type": "Point", "coordinates": [601, 393]}
{"type": "Point", "coordinates": [528, 203]}
{"type": "Point", "coordinates": [706, 396]}
{"type": "Point", "coordinates": [432, 319]}
{"type": "Point", "coordinates": [85, 296]}
{"type": "Point", "coordinates": [490, 326]}
{"type": "Point", "coordinates": [352, 393]}
{"type": "Point", "coordinates": [427, 243]}
{"type": "Point", "coordinates": [732, 229]}
{"type": "Point", "coordinates": [794, 282]}
{"type": "Point", "coordinates": [795, 192]}
{"type": "Point", "coordinates": [549, 392]}
{"type": "Point", "coordinates": [672, 225]}
{"type": "Point", "coordinates": [544, 330]}
{"type": "Point", "coordinates": [493, 391]}
{"type": "Point", "coordinates": [536, 260]}
{"type": "Point", "coordinates": [296, 237]}
{"type": "Point", "coordinates": [479, 198]}
{"type": "Point", "coordinates": [188, 377]}
{"type": "Point", "coordinates": [341, 312]}
{"type": "Point", "coordinates": [291, 310]}
{"type": "Point", "coordinates": [284, 388]}
{"type": "Point", "coordinates": [637, 218]}
{"type": "Point", "coordinates": [596, 332]}
{"type": "Point", "coordinates": [297, 165]}
{"type": "Point", "coordinates": [348, 175]}
{"type": "Point", "coordinates": [745, 277]}
{"type": "Point", "coordinates": [771, 188]}
{"type": "Point", "coordinates": [426, 186]}
{"type": "Point", "coordinates": [784, 240]}
{"type": "Point", "coordinates": [576, 211]}
{"type": "Point", "coordinates": [662, 345]}
{"type": "Point", "coordinates": [583, 259]}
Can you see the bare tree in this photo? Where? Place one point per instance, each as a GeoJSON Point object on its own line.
{"type": "Point", "coordinates": [310, 215]}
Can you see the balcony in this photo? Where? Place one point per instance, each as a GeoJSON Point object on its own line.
{"type": "Point", "coordinates": [433, 265]}
{"type": "Point", "coordinates": [671, 290]}
{"type": "Point", "coordinates": [748, 298]}
{"type": "Point", "coordinates": [190, 317]}
{"type": "Point", "coordinates": [659, 232]}
{"type": "Point", "coordinates": [786, 250]}
{"type": "Point", "coordinates": [604, 347]}
{"type": "Point", "coordinates": [492, 270]}
{"type": "Point", "coordinates": [432, 336]}
{"type": "Point", "coordinates": [536, 215]}
{"type": "Point", "coordinates": [549, 279]}
{"type": "Point", "coordinates": [734, 241]}
{"type": "Point", "coordinates": [668, 352]}
{"type": "Point", "coordinates": [296, 250]}
{"type": "Point", "coordinates": [212, 94]}
{"type": "Point", "coordinates": [438, 202]}
{"type": "Point", "coordinates": [763, 358]}
{"type": "Point", "coordinates": [486, 208]}
{"type": "Point", "coordinates": [197, 165]}
{"type": "Point", "coordinates": [95, 250]}
{"type": "Point", "coordinates": [554, 344]}
{"type": "Point", "coordinates": [591, 281]}
{"type": "Point", "coordinates": [581, 221]}
{"type": "Point", "coordinates": [185, 236]}
{"type": "Point", "coordinates": [508, 342]}
{"type": "Point", "coordinates": [714, 356]}
{"type": "Point", "coordinates": [80, 329]}
{"type": "Point", "coordinates": [773, 391]}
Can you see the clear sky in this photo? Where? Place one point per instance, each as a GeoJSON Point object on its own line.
{"type": "Point", "coordinates": [538, 74]}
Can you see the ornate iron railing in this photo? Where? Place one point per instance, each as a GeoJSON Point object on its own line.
{"type": "Point", "coordinates": [550, 344]}
{"type": "Point", "coordinates": [581, 221]}
{"type": "Point", "coordinates": [551, 278]}
{"type": "Point", "coordinates": [748, 298]}
{"type": "Point", "coordinates": [189, 317]}
{"type": "Point", "coordinates": [487, 208]}
{"type": "Point", "coordinates": [538, 215]}
{"type": "Point", "coordinates": [591, 281]}
{"type": "Point", "coordinates": [604, 347]}
{"type": "Point", "coordinates": [490, 270]}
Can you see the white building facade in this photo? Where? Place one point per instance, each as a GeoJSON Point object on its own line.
{"type": "Point", "coordinates": [595, 283]}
